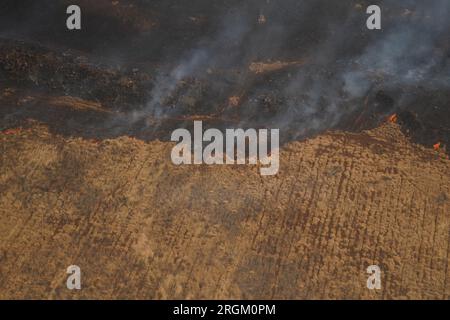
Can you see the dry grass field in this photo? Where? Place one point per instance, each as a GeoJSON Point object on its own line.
{"type": "Point", "coordinates": [139, 227]}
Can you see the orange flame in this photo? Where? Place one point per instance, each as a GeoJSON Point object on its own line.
{"type": "Point", "coordinates": [437, 146]}
{"type": "Point", "coordinates": [393, 118]}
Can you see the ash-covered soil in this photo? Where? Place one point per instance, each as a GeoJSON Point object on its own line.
{"type": "Point", "coordinates": [140, 227]}
{"type": "Point", "coordinates": [303, 66]}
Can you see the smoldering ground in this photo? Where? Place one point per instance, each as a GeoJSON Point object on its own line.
{"type": "Point", "coordinates": [301, 66]}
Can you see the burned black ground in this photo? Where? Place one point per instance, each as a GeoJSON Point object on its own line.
{"type": "Point", "coordinates": [124, 50]}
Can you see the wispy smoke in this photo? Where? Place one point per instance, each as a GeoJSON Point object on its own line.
{"type": "Point", "coordinates": [345, 61]}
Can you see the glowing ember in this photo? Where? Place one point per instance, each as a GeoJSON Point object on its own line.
{"type": "Point", "coordinates": [234, 101]}
{"type": "Point", "coordinates": [393, 118]}
{"type": "Point", "coordinates": [437, 146]}
{"type": "Point", "coordinates": [262, 19]}
{"type": "Point", "coordinates": [11, 131]}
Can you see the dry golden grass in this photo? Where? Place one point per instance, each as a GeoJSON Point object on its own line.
{"type": "Point", "coordinates": [140, 227]}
